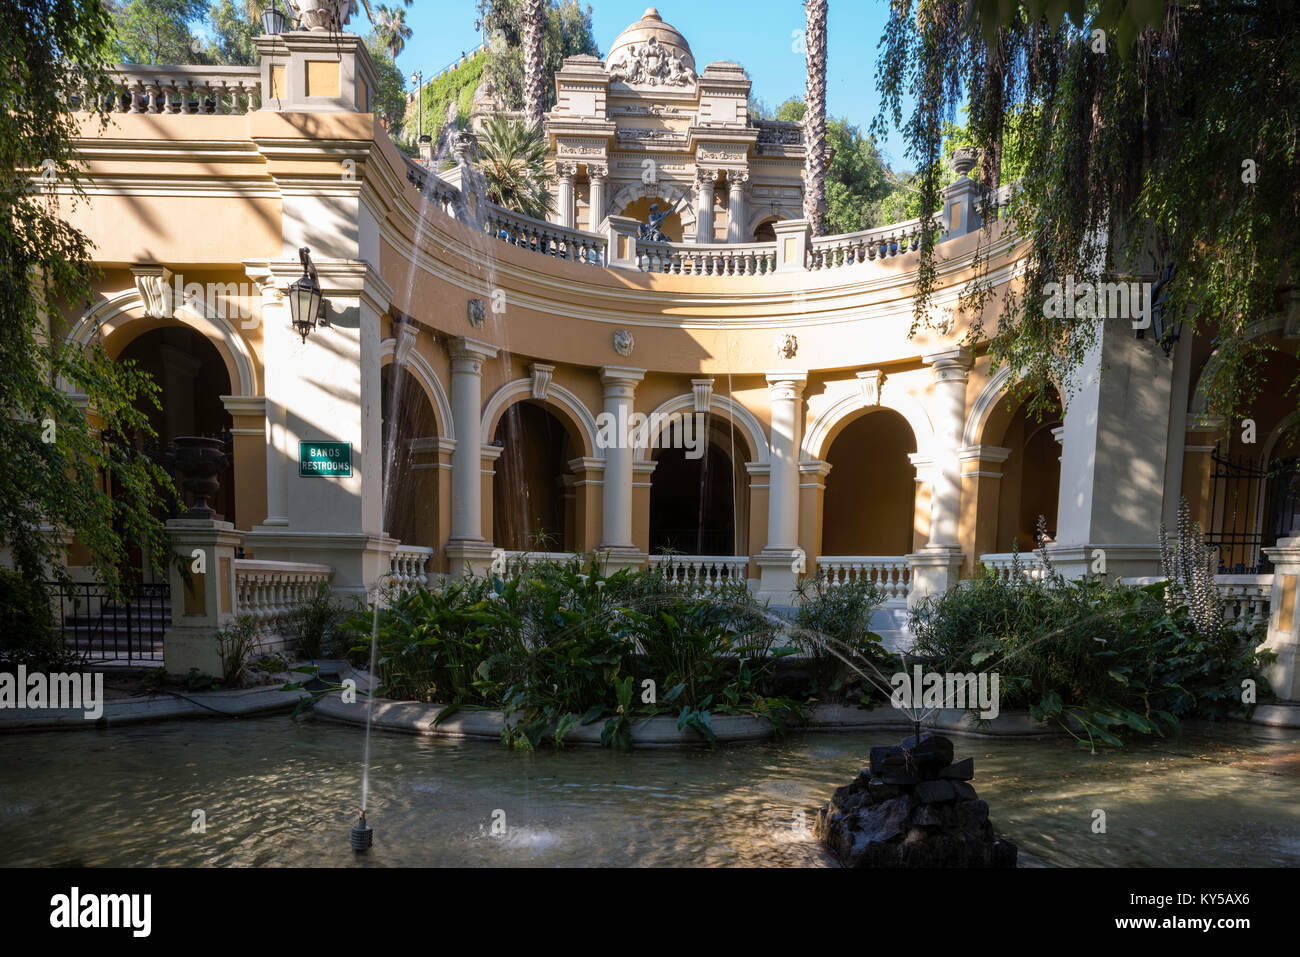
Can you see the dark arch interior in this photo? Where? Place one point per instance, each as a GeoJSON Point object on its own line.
{"type": "Point", "coordinates": [871, 488]}
{"type": "Point", "coordinates": [1031, 480]}
{"type": "Point", "coordinates": [410, 434]}
{"type": "Point", "coordinates": [192, 378]}
{"type": "Point", "coordinates": [693, 502]}
{"type": "Point", "coordinates": [530, 508]}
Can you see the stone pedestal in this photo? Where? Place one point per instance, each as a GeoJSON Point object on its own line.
{"type": "Point", "coordinates": [935, 569]}
{"type": "Point", "coordinates": [204, 603]}
{"type": "Point", "coordinates": [1284, 621]}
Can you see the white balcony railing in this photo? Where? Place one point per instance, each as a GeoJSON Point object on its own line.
{"type": "Point", "coordinates": [1246, 599]}
{"type": "Point", "coordinates": [883, 242]}
{"type": "Point", "coordinates": [891, 573]}
{"type": "Point", "coordinates": [268, 591]}
{"type": "Point", "coordinates": [703, 571]}
{"type": "Point", "coordinates": [1031, 566]}
{"type": "Point", "coordinates": [712, 259]}
{"type": "Point", "coordinates": [408, 567]}
{"type": "Point", "coordinates": [544, 238]}
{"type": "Point", "coordinates": [181, 89]}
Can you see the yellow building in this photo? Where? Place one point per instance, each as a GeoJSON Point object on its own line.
{"type": "Point", "coordinates": [472, 360]}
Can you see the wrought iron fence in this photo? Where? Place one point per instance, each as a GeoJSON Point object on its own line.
{"type": "Point", "coordinates": [104, 628]}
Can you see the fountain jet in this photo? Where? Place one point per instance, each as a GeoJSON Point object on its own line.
{"type": "Point", "coordinates": [362, 835]}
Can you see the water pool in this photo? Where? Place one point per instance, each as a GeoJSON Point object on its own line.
{"type": "Point", "coordinates": [278, 791]}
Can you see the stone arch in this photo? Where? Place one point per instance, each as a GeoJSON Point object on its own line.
{"type": "Point", "coordinates": [721, 405]}
{"type": "Point", "coordinates": [666, 189]}
{"type": "Point", "coordinates": [985, 409]}
{"type": "Point", "coordinates": [116, 325]}
{"type": "Point", "coordinates": [821, 432]}
{"type": "Point", "coordinates": [571, 411]}
{"type": "Point", "coordinates": [423, 373]}
{"type": "Point", "coordinates": [1260, 327]}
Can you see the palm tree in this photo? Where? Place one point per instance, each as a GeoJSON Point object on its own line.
{"type": "Point", "coordinates": [512, 160]}
{"type": "Point", "coordinates": [534, 21]}
{"type": "Point", "coordinates": [392, 29]}
{"type": "Point", "coordinates": [814, 119]}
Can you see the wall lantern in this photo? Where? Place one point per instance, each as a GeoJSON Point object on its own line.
{"type": "Point", "coordinates": [306, 304]}
{"type": "Point", "coordinates": [1165, 327]}
{"type": "Point", "coordinates": [273, 20]}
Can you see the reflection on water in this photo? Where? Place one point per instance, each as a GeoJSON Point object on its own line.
{"type": "Point", "coordinates": [280, 792]}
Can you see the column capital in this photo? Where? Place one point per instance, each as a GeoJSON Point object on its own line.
{"type": "Point", "coordinates": [620, 380]}
{"type": "Point", "coordinates": [597, 172]}
{"type": "Point", "coordinates": [737, 178]}
{"type": "Point", "coordinates": [950, 364]}
{"type": "Point", "coordinates": [467, 355]}
{"type": "Point", "coordinates": [786, 385]}
{"type": "Point", "coordinates": [566, 170]}
{"type": "Point", "coordinates": [983, 453]}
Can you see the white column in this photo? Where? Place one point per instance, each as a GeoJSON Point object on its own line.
{"type": "Point", "coordinates": [616, 500]}
{"type": "Point", "coordinates": [951, 369]}
{"type": "Point", "coordinates": [937, 567]}
{"type": "Point", "coordinates": [566, 172]}
{"type": "Point", "coordinates": [275, 327]}
{"type": "Point", "coordinates": [467, 544]}
{"type": "Point", "coordinates": [736, 180]}
{"type": "Point", "coordinates": [596, 174]}
{"type": "Point", "coordinates": [704, 180]}
{"type": "Point", "coordinates": [777, 561]}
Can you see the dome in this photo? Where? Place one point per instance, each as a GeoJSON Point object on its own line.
{"type": "Point", "coordinates": [650, 33]}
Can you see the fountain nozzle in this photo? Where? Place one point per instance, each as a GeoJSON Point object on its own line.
{"type": "Point", "coordinates": [362, 836]}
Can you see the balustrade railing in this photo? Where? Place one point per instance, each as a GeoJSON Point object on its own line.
{"type": "Point", "coordinates": [214, 90]}
{"type": "Point", "coordinates": [702, 571]}
{"type": "Point", "coordinates": [544, 238]}
{"type": "Point", "coordinates": [1004, 564]}
{"type": "Point", "coordinates": [270, 591]}
{"type": "Point", "coordinates": [883, 242]}
{"type": "Point", "coordinates": [712, 259]}
{"type": "Point", "coordinates": [891, 573]}
{"type": "Point", "coordinates": [408, 567]}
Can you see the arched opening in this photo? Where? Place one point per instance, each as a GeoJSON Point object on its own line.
{"type": "Point", "coordinates": [410, 437]}
{"type": "Point", "coordinates": [765, 232]}
{"type": "Point", "coordinates": [640, 211]}
{"type": "Point", "coordinates": [871, 487]}
{"type": "Point", "coordinates": [1031, 479]}
{"type": "Point", "coordinates": [192, 378]}
{"type": "Point", "coordinates": [532, 503]}
{"type": "Point", "coordinates": [698, 502]}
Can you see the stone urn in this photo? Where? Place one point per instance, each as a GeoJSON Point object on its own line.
{"type": "Point", "coordinates": [199, 460]}
{"type": "Point", "coordinates": [323, 15]}
{"type": "Point", "coordinates": [963, 160]}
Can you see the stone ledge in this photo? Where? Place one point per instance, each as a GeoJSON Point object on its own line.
{"type": "Point", "coordinates": [413, 717]}
{"type": "Point", "coordinates": [163, 707]}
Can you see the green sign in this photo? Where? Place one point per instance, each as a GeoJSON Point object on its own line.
{"type": "Point", "coordinates": [330, 459]}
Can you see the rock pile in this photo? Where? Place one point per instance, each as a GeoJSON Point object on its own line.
{"type": "Point", "coordinates": [913, 807]}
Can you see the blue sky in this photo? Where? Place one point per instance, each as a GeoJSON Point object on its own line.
{"type": "Point", "coordinates": [757, 34]}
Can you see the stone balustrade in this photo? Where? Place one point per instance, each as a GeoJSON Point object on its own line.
{"type": "Point", "coordinates": [883, 242]}
{"type": "Point", "coordinates": [1246, 599]}
{"type": "Point", "coordinates": [714, 259]}
{"type": "Point", "coordinates": [547, 239]}
{"type": "Point", "coordinates": [408, 567]}
{"type": "Point", "coordinates": [702, 571]}
{"type": "Point", "coordinates": [891, 573]}
{"type": "Point", "coordinates": [1003, 565]}
{"type": "Point", "coordinates": [214, 90]}
{"type": "Point", "coordinates": [269, 591]}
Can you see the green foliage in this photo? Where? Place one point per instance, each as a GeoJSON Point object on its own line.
{"type": "Point", "coordinates": [556, 647]}
{"type": "Point", "coordinates": [1099, 658]}
{"type": "Point", "coordinates": [389, 100]}
{"type": "Point", "coordinates": [55, 464]}
{"type": "Point", "coordinates": [456, 86]}
{"type": "Point", "coordinates": [28, 635]}
{"type": "Point", "coordinates": [1139, 150]}
{"type": "Point", "coordinates": [834, 630]}
{"type": "Point", "coordinates": [567, 33]}
{"type": "Point", "coordinates": [234, 24]}
{"type": "Point", "coordinates": [237, 641]}
{"type": "Point", "coordinates": [512, 159]}
{"type": "Point", "coordinates": [158, 31]}
{"type": "Point", "coordinates": [315, 621]}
